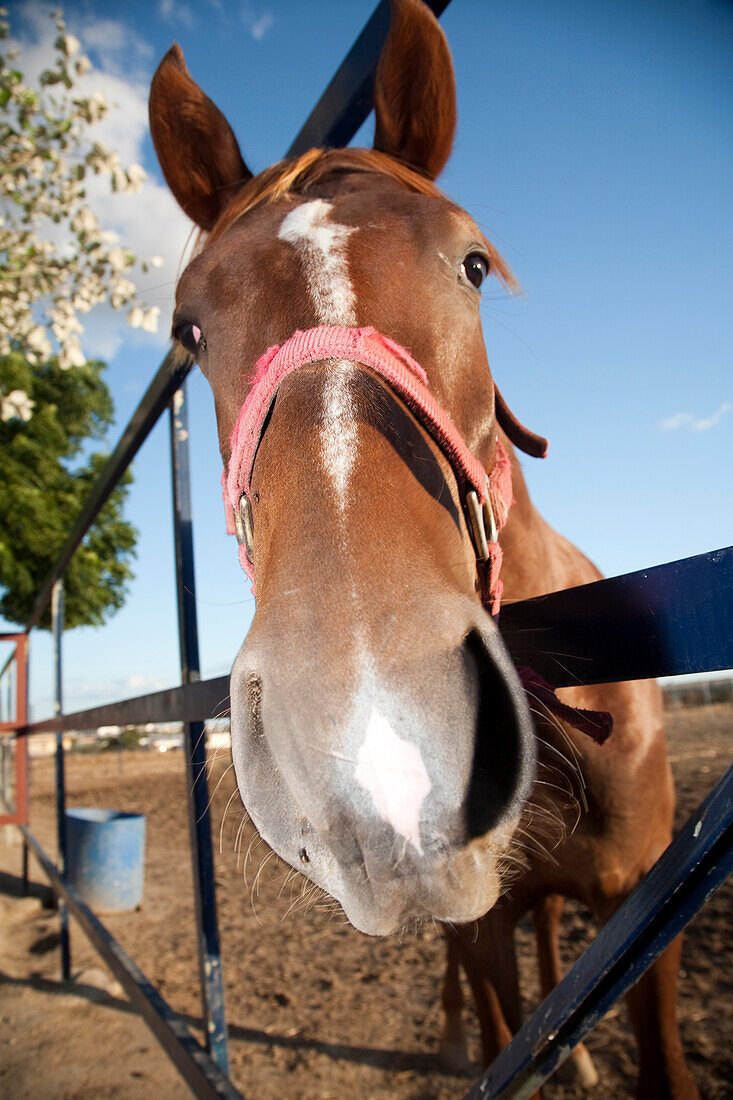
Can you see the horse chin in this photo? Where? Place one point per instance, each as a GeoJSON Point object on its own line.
{"type": "Point", "coordinates": [402, 904]}
{"type": "Point", "coordinates": [457, 887]}
{"type": "Point", "coordinates": [458, 903]}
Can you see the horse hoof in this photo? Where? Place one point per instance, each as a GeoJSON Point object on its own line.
{"type": "Point", "coordinates": [453, 1058]}
{"type": "Point", "coordinates": [579, 1069]}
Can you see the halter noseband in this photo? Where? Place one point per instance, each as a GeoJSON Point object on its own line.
{"type": "Point", "coordinates": [486, 497]}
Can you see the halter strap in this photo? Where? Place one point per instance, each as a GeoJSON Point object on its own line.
{"type": "Point", "coordinates": [486, 498]}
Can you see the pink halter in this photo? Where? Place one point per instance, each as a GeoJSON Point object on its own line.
{"type": "Point", "coordinates": [487, 498]}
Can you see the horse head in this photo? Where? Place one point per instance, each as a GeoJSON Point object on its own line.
{"type": "Point", "coordinates": [382, 741]}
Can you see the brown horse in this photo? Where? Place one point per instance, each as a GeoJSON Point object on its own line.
{"type": "Point", "coordinates": [382, 739]}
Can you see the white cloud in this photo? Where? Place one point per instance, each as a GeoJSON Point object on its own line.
{"type": "Point", "coordinates": [81, 693]}
{"type": "Point", "coordinates": [117, 48]}
{"type": "Point", "coordinates": [695, 424]}
{"type": "Point", "coordinates": [257, 23]}
{"type": "Point", "coordinates": [109, 39]}
{"type": "Point", "coordinates": [141, 683]}
{"type": "Point", "coordinates": [177, 13]}
{"type": "Point", "coordinates": [677, 421]}
{"type": "Point", "coordinates": [706, 423]}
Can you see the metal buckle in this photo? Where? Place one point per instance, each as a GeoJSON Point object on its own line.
{"type": "Point", "coordinates": [483, 525]}
{"type": "Point", "coordinates": [243, 527]}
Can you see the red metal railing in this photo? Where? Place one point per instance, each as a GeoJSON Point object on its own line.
{"type": "Point", "coordinates": [15, 729]}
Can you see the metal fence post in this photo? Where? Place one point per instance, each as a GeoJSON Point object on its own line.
{"type": "Point", "coordinates": [57, 626]}
{"type": "Point", "coordinates": [212, 986]}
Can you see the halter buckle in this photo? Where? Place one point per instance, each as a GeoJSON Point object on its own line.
{"type": "Point", "coordinates": [482, 523]}
{"type": "Point", "coordinates": [243, 526]}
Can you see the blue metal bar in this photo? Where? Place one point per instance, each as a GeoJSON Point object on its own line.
{"type": "Point", "coordinates": [673, 619]}
{"type": "Point", "coordinates": [57, 620]}
{"type": "Point", "coordinates": [678, 885]}
{"type": "Point", "coordinates": [349, 98]}
{"type": "Point", "coordinates": [211, 978]}
{"type": "Point", "coordinates": [201, 1075]}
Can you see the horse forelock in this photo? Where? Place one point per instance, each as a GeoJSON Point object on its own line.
{"type": "Point", "coordinates": [301, 175]}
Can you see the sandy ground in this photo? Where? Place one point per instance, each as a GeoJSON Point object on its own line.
{"type": "Point", "coordinates": [313, 1006]}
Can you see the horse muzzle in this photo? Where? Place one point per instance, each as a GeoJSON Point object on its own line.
{"type": "Point", "coordinates": [393, 785]}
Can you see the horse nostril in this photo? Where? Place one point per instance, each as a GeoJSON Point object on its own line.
{"type": "Point", "coordinates": [503, 761]}
{"type": "Point", "coordinates": [253, 695]}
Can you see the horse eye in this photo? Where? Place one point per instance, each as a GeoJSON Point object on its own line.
{"type": "Point", "coordinates": [189, 335]}
{"type": "Point", "coordinates": [475, 267]}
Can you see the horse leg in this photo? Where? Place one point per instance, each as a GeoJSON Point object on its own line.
{"type": "Point", "coordinates": [488, 956]}
{"type": "Point", "coordinates": [579, 1066]}
{"type": "Point", "coordinates": [453, 1053]}
{"type": "Point", "coordinates": [652, 1005]}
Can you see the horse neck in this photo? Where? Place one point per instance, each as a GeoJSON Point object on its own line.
{"type": "Point", "coordinates": [537, 559]}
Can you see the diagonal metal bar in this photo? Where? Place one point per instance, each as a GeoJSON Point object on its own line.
{"type": "Point", "coordinates": [678, 885]}
{"type": "Point", "coordinates": [349, 98]}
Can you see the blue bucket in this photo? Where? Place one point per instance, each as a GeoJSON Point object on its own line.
{"type": "Point", "coordinates": [105, 857]}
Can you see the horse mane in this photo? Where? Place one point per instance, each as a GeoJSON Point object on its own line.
{"type": "Point", "coordinates": [299, 175]}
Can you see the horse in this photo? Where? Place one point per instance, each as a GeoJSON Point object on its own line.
{"type": "Point", "coordinates": [384, 743]}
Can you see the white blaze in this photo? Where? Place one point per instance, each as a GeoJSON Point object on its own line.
{"type": "Point", "coordinates": [392, 770]}
{"type": "Point", "coordinates": [322, 245]}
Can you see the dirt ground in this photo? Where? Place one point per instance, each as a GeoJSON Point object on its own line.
{"type": "Point", "coordinates": [313, 1006]}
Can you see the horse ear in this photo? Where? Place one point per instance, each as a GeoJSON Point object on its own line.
{"type": "Point", "coordinates": [415, 90]}
{"type": "Point", "coordinates": [196, 147]}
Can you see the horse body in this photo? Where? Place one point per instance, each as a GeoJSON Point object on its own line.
{"type": "Point", "coordinates": [382, 740]}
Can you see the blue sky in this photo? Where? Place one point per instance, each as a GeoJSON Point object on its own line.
{"type": "Point", "coordinates": [594, 147]}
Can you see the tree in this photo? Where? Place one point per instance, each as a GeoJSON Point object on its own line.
{"type": "Point", "coordinates": [57, 263]}
{"type": "Point", "coordinates": [44, 480]}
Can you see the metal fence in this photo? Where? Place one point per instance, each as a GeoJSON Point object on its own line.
{"type": "Point", "coordinates": [668, 620]}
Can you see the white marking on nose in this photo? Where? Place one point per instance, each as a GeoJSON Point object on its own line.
{"type": "Point", "coordinates": [392, 770]}
{"type": "Point", "coordinates": [322, 244]}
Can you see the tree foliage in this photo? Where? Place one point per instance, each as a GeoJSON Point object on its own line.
{"type": "Point", "coordinates": [44, 479]}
